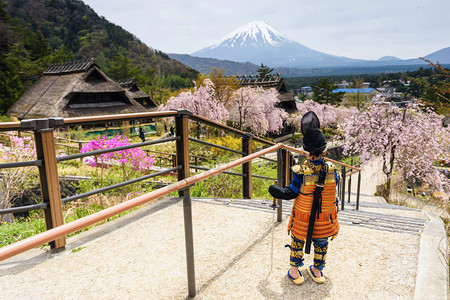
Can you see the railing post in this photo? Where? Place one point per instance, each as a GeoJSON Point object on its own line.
{"type": "Point", "coordinates": [182, 144]}
{"type": "Point", "coordinates": [358, 190]}
{"type": "Point", "coordinates": [349, 187]}
{"type": "Point", "coordinates": [287, 167]}
{"type": "Point", "coordinates": [48, 173]}
{"type": "Point", "coordinates": [247, 167]}
{"type": "Point", "coordinates": [80, 146]}
{"type": "Point", "coordinates": [343, 188]}
{"type": "Point", "coordinates": [189, 240]}
{"type": "Point", "coordinates": [350, 183]}
{"type": "Point", "coordinates": [338, 193]}
{"type": "Point", "coordinates": [281, 177]}
{"type": "Point", "coordinates": [291, 164]}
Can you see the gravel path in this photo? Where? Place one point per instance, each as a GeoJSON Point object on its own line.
{"type": "Point", "coordinates": [142, 256]}
{"type": "Point", "coordinates": [145, 259]}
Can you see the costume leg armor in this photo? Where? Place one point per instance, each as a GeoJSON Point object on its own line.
{"type": "Point", "coordinates": [320, 252]}
{"type": "Point", "coordinates": [296, 251]}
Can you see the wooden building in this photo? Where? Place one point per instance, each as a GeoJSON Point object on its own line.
{"type": "Point", "coordinates": [286, 99]}
{"type": "Point", "coordinates": [133, 91]}
{"type": "Point", "coordinates": [74, 89]}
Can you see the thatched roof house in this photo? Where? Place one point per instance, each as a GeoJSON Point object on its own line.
{"type": "Point", "coordinates": [286, 99]}
{"type": "Point", "coordinates": [133, 91]}
{"type": "Point", "coordinates": [72, 90]}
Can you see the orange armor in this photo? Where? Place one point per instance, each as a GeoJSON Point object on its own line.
{"type": "Point", "coordinates": [326, 224]}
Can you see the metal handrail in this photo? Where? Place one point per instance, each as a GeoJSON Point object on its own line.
{"type": "Point", "coordinates": [117, 185]}
{"type": "Point", "coordinates": [65, 229]}
{"type": "Point", "coordinates": [121, 117]}
{"type": "Point", "coordinates": [292, 149]}
{"type": "Point", "coordinates": [215, 146]}
{"type": "Point", "coordinates": [97, 152]}
{"type": "Point", "coordinates": [23, 208]}
{"type": "Point", "coordinates": [21, 164]}
{"type": "Point", "coordinates": [228, 128]}
{"type": "Point", "coordinates": [264, 177]}
{"type": "Point", "coordinates": [207, 169]}
{"type": "Point", "coordinates": [9, 126]}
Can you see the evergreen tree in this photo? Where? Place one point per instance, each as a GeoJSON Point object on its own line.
{"type": "Point", "coordinates": [122, 67]}
{"type": "Point", "coordinates": [264, 71]}
{"type": "Point", "coordinates": [10, 84]}
{"type": "Point", "coordinates": [323, 93]}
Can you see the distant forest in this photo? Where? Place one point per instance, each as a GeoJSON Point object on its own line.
{"type": "Point", "coordinates": [35, 34]}
{"type": "Point", "coordinates": [421, 82]}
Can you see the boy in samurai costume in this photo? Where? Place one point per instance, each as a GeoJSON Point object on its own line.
{"type": "Point", "coordinates": [314, 213]}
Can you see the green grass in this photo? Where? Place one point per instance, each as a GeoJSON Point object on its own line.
{"type": "Point", "coordinates": [77, 249]}
{"type": "Point", "coordinates": [10, 233]}
{"type": "Point", "coordinates": [24, 228]}
{"type": "Point", "coordinates": [229, 186]}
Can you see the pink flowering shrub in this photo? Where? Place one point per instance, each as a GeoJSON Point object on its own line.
{"type": "Point", "coordinates": [15, 180]}
{"type": "Point", "coordinates": [130, 161]}
{"type": "Point", "coordinates": [20, 149]}
{"type": "Point", "coordinates": [407, 140]}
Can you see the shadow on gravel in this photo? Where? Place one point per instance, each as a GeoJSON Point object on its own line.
{"type": "Point", "coordinates": [234, 261]}
{"type": "Point", "coordinates": [19, 266]}
{"type": "Point", "coordinates": [307, 290]}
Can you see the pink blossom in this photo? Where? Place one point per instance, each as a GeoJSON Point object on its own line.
{"type": "Point", "coordinates": [329, 116]}
{"type": "Point", "coordinates": [254, 109]}
{"type": "Point", "coordinates": [135, 157]}
{"type": "Point", "coordinates": [409, 140]}
{"type": "Point", "coordinates": [20, 149]}
{"type": "Point", "coordinates": [202, 102]}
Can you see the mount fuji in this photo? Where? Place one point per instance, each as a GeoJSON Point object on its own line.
{"type": "Point", "coordinates": [257, 42]}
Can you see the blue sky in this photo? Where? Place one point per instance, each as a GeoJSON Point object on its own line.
{"type": "Point", "coordinates": [353, 28]}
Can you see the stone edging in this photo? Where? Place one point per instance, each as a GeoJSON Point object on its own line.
{"type": "Point", "coordinates": [432, 268]}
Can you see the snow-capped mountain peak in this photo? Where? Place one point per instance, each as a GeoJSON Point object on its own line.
{"type": "Point", "coordinates": [257, 42]}
{"type": "Point", "coordinates": [253, 34]}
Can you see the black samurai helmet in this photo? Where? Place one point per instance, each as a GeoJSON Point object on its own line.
{"type": "Point", "coordinates": [313, 139]}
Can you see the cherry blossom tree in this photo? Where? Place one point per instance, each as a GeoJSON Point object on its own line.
{"type": "Point", "coordinates": [329, 116]}
{"type": "Point", "coordinates": [253, 109]}
{"type": "Point", "coordinates": [407, 140]}
{"type": "Point", "coordinates": [202, 101]}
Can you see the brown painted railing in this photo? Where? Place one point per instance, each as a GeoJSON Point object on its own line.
{"type": "Point", "coordinates": [47, 164]}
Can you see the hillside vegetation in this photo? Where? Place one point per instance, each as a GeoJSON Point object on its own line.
{"type": "Point", "coordinates": [37, 33]}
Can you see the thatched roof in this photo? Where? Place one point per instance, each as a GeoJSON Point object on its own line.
{"type": "Point", "coordinates": [72, 90]}
{"type": "Point", "coordinates": [286, 100]}
{"type": "Point", "coordinates": [133, 91]}
{"type": "Point", "coordinates": [269, 81]}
